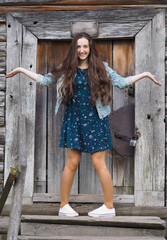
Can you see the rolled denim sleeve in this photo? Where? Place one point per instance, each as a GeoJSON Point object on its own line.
{"type": "Point", "coordinates": [116, 79]}
{"type": "Point", "coordinates": [45, 80]}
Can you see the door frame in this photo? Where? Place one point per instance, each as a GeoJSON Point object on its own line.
{"type": "Point", "coordinates": [147, 27]}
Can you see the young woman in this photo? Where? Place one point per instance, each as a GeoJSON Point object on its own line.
{"type": "Point", "coordinates": [83, 84]}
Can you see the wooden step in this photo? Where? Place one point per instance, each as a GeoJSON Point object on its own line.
{"type": "Point", "coordinates": [88, 238]}
{"type": "Point", "coordinates": [86, 226]}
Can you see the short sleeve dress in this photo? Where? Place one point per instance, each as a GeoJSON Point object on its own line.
{"type": "Point", "coordinates": [82, 128]}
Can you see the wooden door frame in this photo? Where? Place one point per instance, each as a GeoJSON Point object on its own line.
{"type": "Point", "coordinates": [23, 31]}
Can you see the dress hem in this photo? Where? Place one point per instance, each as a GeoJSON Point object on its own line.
{"type": "Point", "coordinates": [97, 150]}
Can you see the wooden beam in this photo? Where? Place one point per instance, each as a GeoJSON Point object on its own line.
{"type": "Point", "coordinates": [82, 198]}
{"type": "Point", "coordinates": [15, 213]}
{"type": "Point", "coordinates": [150, 114]}
{"type": "Point", "coordinates": [113, 23]}
{"type": "Point", "coordinates": [12, 175]}
{"type": "Point", "coordinates": [20, 95]}
{"type": "Point", "coordinates": [83, 2]}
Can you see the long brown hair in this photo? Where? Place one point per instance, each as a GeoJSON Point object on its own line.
{"type": "Point", "coordinates": [97, 76]}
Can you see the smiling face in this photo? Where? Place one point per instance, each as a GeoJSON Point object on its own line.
{"type": "Point", "coordinates": [83, 48]}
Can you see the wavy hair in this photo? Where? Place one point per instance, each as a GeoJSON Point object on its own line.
{"type": "Point", "coordinates": [97, 76]}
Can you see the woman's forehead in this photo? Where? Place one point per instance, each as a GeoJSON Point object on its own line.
{"type": "Point", "coordinates": [82, 41]}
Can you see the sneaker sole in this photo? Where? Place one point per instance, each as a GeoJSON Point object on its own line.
{"type": "Point", "coordinates": [68, 215]}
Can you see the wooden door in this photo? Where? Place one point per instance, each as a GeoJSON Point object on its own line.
{"type": "Point", "coordinates": [49, 157]}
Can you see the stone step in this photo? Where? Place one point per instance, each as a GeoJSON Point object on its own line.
{"type": "Point", "coordinates": [88, 238]}
{"type": "Point", "coordinates": [121, 226]}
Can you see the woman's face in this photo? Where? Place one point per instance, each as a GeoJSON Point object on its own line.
{"type": "Point", "coordinates": [83, 48]}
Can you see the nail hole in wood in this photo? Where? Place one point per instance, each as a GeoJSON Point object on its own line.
{"type": "Point", "coordinates": [31, 66]}
{"type": "Point", "coordinates": [9, 26]}
{"type": "Point", "coordinates": [30, 83]}
{"type": "Point", "coordinates": [35, 22]}
{"type": "Point", "coordinates": [148, 116]}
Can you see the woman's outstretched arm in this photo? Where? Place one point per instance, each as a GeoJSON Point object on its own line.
{"type": "Point", "coordinates": [28, 73]}
{"type": "Point", "coordinates": [137, 77]}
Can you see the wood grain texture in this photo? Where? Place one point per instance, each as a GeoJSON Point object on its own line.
{"type": "Point", "coordinates": [123, 63]}
{"type": "Point", "coordinates": [20, 97]}
{"type": "Point", "coordinates": [16, 207]}
{"type": "Point", "coordinates": [87, 238]}
{"type": "Point", "coordinates": [82, 198]}
{"type": "Point", "coordinates": [149, 114]}
{"type": "Point", "coordinates": [37, 21]}
{"type": "Point", "coordinates": [86, 226]}
{"type": "Point", "coordinates": [40, 168]}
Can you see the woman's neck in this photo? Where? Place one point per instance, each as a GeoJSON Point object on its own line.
{"type": "Point", "coordinates": [83, 64]}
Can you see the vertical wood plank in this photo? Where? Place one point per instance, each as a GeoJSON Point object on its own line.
{"type": "Point", "coordinates": [123, 63]}
{"type": "Point", "coordinates": [57, 50]}
{"type": "Point", "coordinates": [20, 97]}
{"type": "Point", "coordinates": [16, 206]}
{"type": "Point", "coordinates": [150, 115]}
{"type": "Point", "coordinates": [88, 178]}
{"type": "Point", "coordinates": [40, 124]}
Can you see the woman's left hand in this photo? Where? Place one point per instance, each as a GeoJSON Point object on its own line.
{"type": "Point", "coordinates": [153, 78]}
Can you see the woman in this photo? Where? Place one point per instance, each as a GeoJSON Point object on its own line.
{"type": "Point", "coordinates": [83, 84]}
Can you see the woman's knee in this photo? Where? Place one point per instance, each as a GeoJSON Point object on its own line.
{"type": "Point", "coordinates": [73, 158]}
{"type": "Point", "coordinates": [98, 160]}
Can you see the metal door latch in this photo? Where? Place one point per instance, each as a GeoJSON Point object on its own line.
{"type": "Point", "coordinates": [132, 141]}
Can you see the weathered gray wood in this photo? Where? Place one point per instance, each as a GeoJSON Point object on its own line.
{"type": "Point", "coordinates": [2, 82]}
{"type": "Point", "coordinates": [20, 97]}
{"type": "Point", "coordinates": [15, 213]}
{"type": "Point", "coordinates": [36, 22]}
{"type": "Point", "coordinates": [86, 198]}
{"type": "Point", "coordinates": [11, 177]}
{"type": "Point", "coordinates": [122, 209]}
{"type": "Point", "coordinates": [150, 115]}
{"type": "Point", "coordinates": [86, 226]}
{"type": "Point", "coordinates": [66, 230]}
{"type": "Point", "coordinates": [120, 30]}
{"type": "Point", "coordinates": [2, 136]}
{"type": "Point", "coordinates": [88, 238]}
{"type": "Point", "coordinates": [151, 222]}
{"type": "Point", "coordinates": [89, 27]}
{"type": "Point", "coordinates": [4, 221]}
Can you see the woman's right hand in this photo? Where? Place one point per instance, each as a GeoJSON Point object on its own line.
{"type": "Point", "coordinates": [13, 72]}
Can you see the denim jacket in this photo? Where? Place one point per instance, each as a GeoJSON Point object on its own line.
{"type": "Point", "coordinates": [115, 79]}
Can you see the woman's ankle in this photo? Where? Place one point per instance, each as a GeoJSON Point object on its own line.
{"type": "Point", "coordinates": [63, 204]}
{"type": "Point", "coordinates": [109, 205]}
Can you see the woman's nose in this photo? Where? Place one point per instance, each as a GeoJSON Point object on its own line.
{"type": "Point", "coordinates": [81, 50]}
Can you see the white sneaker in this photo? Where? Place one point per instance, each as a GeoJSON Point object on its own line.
{"type": "Point", "coordinates": [67, 211]}
{"type": "Point", "coordinates": [102, 211]}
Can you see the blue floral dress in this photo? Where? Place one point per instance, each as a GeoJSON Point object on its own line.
{"type": "Point", "coordinates": [82, 128]}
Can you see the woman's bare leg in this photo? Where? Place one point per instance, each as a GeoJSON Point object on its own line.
{"type": "Point", "coordinates": [99, 163]}
{"type": "Point", "coordinates": [73, 157]}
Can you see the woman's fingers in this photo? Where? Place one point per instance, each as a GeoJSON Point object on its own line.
{"type": "Point", "coordinates": [153, 78]}
{"type": "Point", "coordinates": [12, 73]}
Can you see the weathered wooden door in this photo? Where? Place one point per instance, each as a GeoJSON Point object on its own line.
{"type": "Point", "coordinates": [50, 158]}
